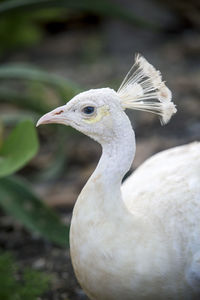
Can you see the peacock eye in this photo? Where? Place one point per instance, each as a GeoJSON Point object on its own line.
{"type": "Point", "coordinates": [88, 110]}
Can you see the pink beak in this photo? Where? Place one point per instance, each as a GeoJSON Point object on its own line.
{"type": "Point", "coordinates": [55, 116]}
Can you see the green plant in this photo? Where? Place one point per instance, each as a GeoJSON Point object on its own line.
{"type": "Point", "coordinates": [18, 200]}
{"type": "Point", "coordinates": [20, 21]}
{"type": "Point", "coordinates": [36, 85]}
{"type": "Point", "coordinates": [20, 146]}
{"type": "Point", "coordinates": [16, 197]}
{"type": "Point", "coordinates": [100, 7]}
{"type": "Point", "coordinates": [22, 29]}
{"type": "Point", "coordinates": [65, 89]}
{"type": "Point", "coordinates": [17, 285]}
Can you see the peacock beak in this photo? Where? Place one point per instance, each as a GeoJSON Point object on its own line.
{"type": "Point", "coordinates": [58, 115]}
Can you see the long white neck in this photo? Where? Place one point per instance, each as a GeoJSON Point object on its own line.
{"type": "Point", "coordinates": [116, 159]}
{"type": "Point", "coordinates": [117, 154]}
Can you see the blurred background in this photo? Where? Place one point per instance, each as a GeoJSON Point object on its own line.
{"type": "Point", "coordinates": [49, 51]}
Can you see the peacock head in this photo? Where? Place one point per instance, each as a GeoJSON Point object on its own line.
{"type": "Point", "coordinates": [92, 112]}
{"type": "Point", "coordinates": [98, 113]}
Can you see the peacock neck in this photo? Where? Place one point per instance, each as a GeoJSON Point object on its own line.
{"type": "Point", "coordinates": [117, 154]}
{"type": "Point", "coordinates": [116, 160]}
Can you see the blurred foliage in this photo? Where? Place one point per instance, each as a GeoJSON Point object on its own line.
{"type": "Point", "coordinates": [23, 28]}
{"type": "Point", "coordinates": [34, 99]}
{"type": "Point", "coordinates": [18, 148]}
{"type": "Point", "coordinates": [21, 145]}
{"type": "Point", "coordinates": [18, 200]}
{"type": "Point", "coordinates": [20, 21]}
{"type": "Point", "coordinates": [188, 11]}
{"type": "Point", "coordinates": [16, 197]}
{"type": "Point", "coordinates": [64, 88]}
{"type": "Point", "coordinates": [18, 285]}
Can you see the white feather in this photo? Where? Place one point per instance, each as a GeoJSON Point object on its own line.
{"type": "Point", "coordinates": [143, 89]}
{"type": "Point", "coordinates": [140, 240]}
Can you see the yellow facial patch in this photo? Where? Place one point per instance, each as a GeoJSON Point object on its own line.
{"type": "Point", "coordinates": [101, 112]}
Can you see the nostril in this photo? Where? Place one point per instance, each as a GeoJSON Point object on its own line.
{"type": "Point", "coordinates": [59, 112]}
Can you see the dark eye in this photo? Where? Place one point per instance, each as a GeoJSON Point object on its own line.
{"type": "Point", "coordinates": [88, 110]}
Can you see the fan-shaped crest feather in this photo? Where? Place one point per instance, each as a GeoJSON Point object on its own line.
{"type": "Point", "coordinates": [143, 89]}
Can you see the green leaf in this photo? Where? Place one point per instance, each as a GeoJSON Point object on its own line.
{"type": "Point", "coordinates": [25, 101]}
{"type": "Point", "coordinates": [7, 276]}
{"type": "Point", "coordinates": [65, 88]}
{"type": "Point", "coordinates": [20, 146]}
{"type": "Point", "coordinates": [19, 284]}
{"type": "Point", "coordinates": [18, 200]}
{"type": "Point", "coordinates": [100, 7]}
{"type": "Point", "coordinates": [35, 284]}
{"type": "Point", "coordinates": [13, 118]}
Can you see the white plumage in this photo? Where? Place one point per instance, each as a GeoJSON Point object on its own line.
{"type": "Point", "coordinates": [143, 89]}
{"type": "Point", "coordinates": [140, 240]}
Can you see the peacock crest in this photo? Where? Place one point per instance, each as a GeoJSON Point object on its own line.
{"type": "Point", "coordinates": [143, 89]}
